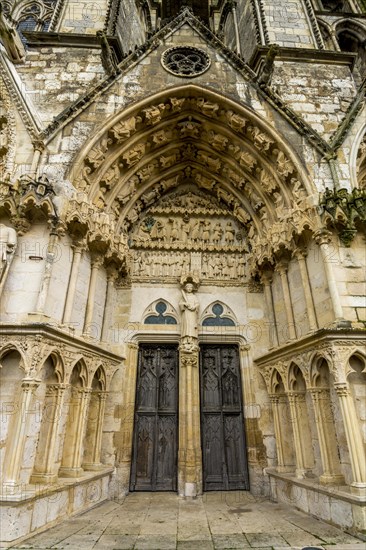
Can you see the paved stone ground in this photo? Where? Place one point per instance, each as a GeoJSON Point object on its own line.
{"type": "Point", "coordinates": [163, 521]}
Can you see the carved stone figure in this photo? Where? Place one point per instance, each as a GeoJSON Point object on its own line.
{"type": "Point", "coordinates": [124, 129]}
{"type": "Point", "coordinates": [127, 191]}
{"type": "Point", "coordinates": [240, 213]}
{"type": "Point", "coordinates": [206, 231]}
{"type": "Point", "coordinates": [189, 306]}
{"type": "Point", "coordinates": [97, 155]}
{"type": "Point", "coordinates": [217, 233]}
{"type": "Point", "coordinates": [195, 231]}
{"type": "Point", "coordinates": [229, 233]}
{"type": "Point", "coordinates": [159, 231]}
{"type": "Point", "coordinates": [175, 229]}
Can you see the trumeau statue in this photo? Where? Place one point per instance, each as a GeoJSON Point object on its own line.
{"type": "Point", "coordinates": [10, 39]}
{"type": "Point", "coordinates": [189, 307]}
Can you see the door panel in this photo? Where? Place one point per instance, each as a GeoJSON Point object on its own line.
{"type": "Point", "coordinates": [154, 462]}
{"type": "Point", "coordinates": [223, 438]}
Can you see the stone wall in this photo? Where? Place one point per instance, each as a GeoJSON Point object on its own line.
{"type": "Point", "coordinates": [83, 17]}
{"type": "Point", "coordinates": [288, 24]}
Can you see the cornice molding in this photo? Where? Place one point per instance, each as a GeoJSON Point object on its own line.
{"type": "Point", "coordinates": [310, 343]}
{"type": "Point", "coordinates": [327, 57]}
{"type": "Point", "coordinates": [57, 335]}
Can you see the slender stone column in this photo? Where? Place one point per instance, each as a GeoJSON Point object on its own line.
{"type": "Point", "coordinates": [38, 150]}
{"type": "Point", "coordinates": [354, 438]}
{"type": "Point", "coordinates": [282, 270]}
{"type": "Point", "coordinates": [96, 262]}
{"type": "Point", "coordinates": [112, 276]}
{"type": "Point", "coordinates": [17, 435]}
{"type": "Point", "coordinates": [301, 441]}
{"type": "Point", "coordinates": [43, 471]}
{"type": "Point", "coordinates": [323, 238]}
{"type": "Point", "coordinates": [327, 437]}
{"type": "Point", "coordinates": [267, 283]}
{"type": "Point", "coordinates": [92, 455]}
{"type": "Point", "coordinates": [73, 444]}
{"type": "Point", "coordinates": [47, 274]}
{"type": "Point", "coordinates": [190, 453]}
{"type": "Point", "coordinates": [125, 437]}
{"type": "Point", "coordinates": [78, 250]}
{"type": "Point", "coordinates": [236, 27]}
{"type": "Point", "coordinates": [301, 258]}
{"type": "Point", "coordinates": [277, 402]}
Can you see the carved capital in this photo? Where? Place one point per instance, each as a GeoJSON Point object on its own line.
{"type": "Point", "coordinates": [282, 267]}
{"type": "Point", "coordinates": [56, 389]}
{"type": "Point", "coordinates": [30, 384]}
{"type": "Point", "coordinates": [342, 389]}
{"type": "Point", "coordinates": [97, 261]}
{"type": "Point", "coordinates": [300, 253]}
{"type": "Point", "coordinates": [188, 360]}
{"type": "Point", "coordinates": [266, 277]}
{"type": "Point", "coordinates": [322, 236]}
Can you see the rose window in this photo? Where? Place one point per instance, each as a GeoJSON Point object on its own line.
{"type": "Point", "coordinates": [185, 61]}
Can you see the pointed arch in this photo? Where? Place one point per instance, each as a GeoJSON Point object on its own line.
{"type": "Point", "coordinates": [160, 312]}
{"type": "Point", "coordinates": [222, 148]}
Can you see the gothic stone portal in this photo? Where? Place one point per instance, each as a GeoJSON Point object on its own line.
{"type": "Point", "coordinates": [154, 464]}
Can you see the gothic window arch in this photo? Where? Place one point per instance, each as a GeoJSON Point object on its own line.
{"type": "Point", "coordinates": [352, 38]}
{"type": "Point", "coordinates": [218, 315]}
{"type": "Point", "coordinates": [335, 6]}
{"type": "Point", "coordinates": [31, 15]}
{"type": "Point", "coordinates": [160, 312]}
{"type": "Point", "coordinates": [145, 14]}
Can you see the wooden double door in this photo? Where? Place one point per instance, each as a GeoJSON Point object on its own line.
{"type": "Point", "coordinates": [155, 447]}
{"type": "Point", "coordinates": [222, 424]}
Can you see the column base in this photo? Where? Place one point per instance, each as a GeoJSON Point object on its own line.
{"type": "Point", "coordinates": [70, 472]}
{"type": "Point", "coordinates": [190, 490]}
{"type": "Point", "coordinates": [43, 478]}
{"type": "Point", "coordinates": [343, 323]}
{"type": "Point", "coordinates": [332, 479]}
{"type": "Point", "coordinates": [38, 317]}
{"type": "Point", "coordinates": [285, 469]}
{"type": "Point", "coordinates": [10, 487]}
{"type": "Point", "coordinates": [301, 473]}
{"type": "Point", "coordinates": [93, 467]}
{"type": "Point", "coordinates": [358, 488]}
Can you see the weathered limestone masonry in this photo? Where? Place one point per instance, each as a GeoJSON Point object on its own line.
{"type": "Point", "coordinates": [182, 254]}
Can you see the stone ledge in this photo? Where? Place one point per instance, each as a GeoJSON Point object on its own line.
{"type": "Point", "coordinates": [57, 334]}
{"type": "Point", "coordinates": [303, 55]}
{"type": "Point", "coordinates": [334, 505]}
{"type": "Point", "coordinates": [342, 492]}
{"type": "Point", "coordinates": [27, 493]}
{"type": "Point", "coordinates": [321, 336]}
{"type": "Point", "coordinates": [37, 512]}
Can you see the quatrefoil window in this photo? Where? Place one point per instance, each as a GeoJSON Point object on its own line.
{"type": "Point", "coordinates": [185, 61]}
